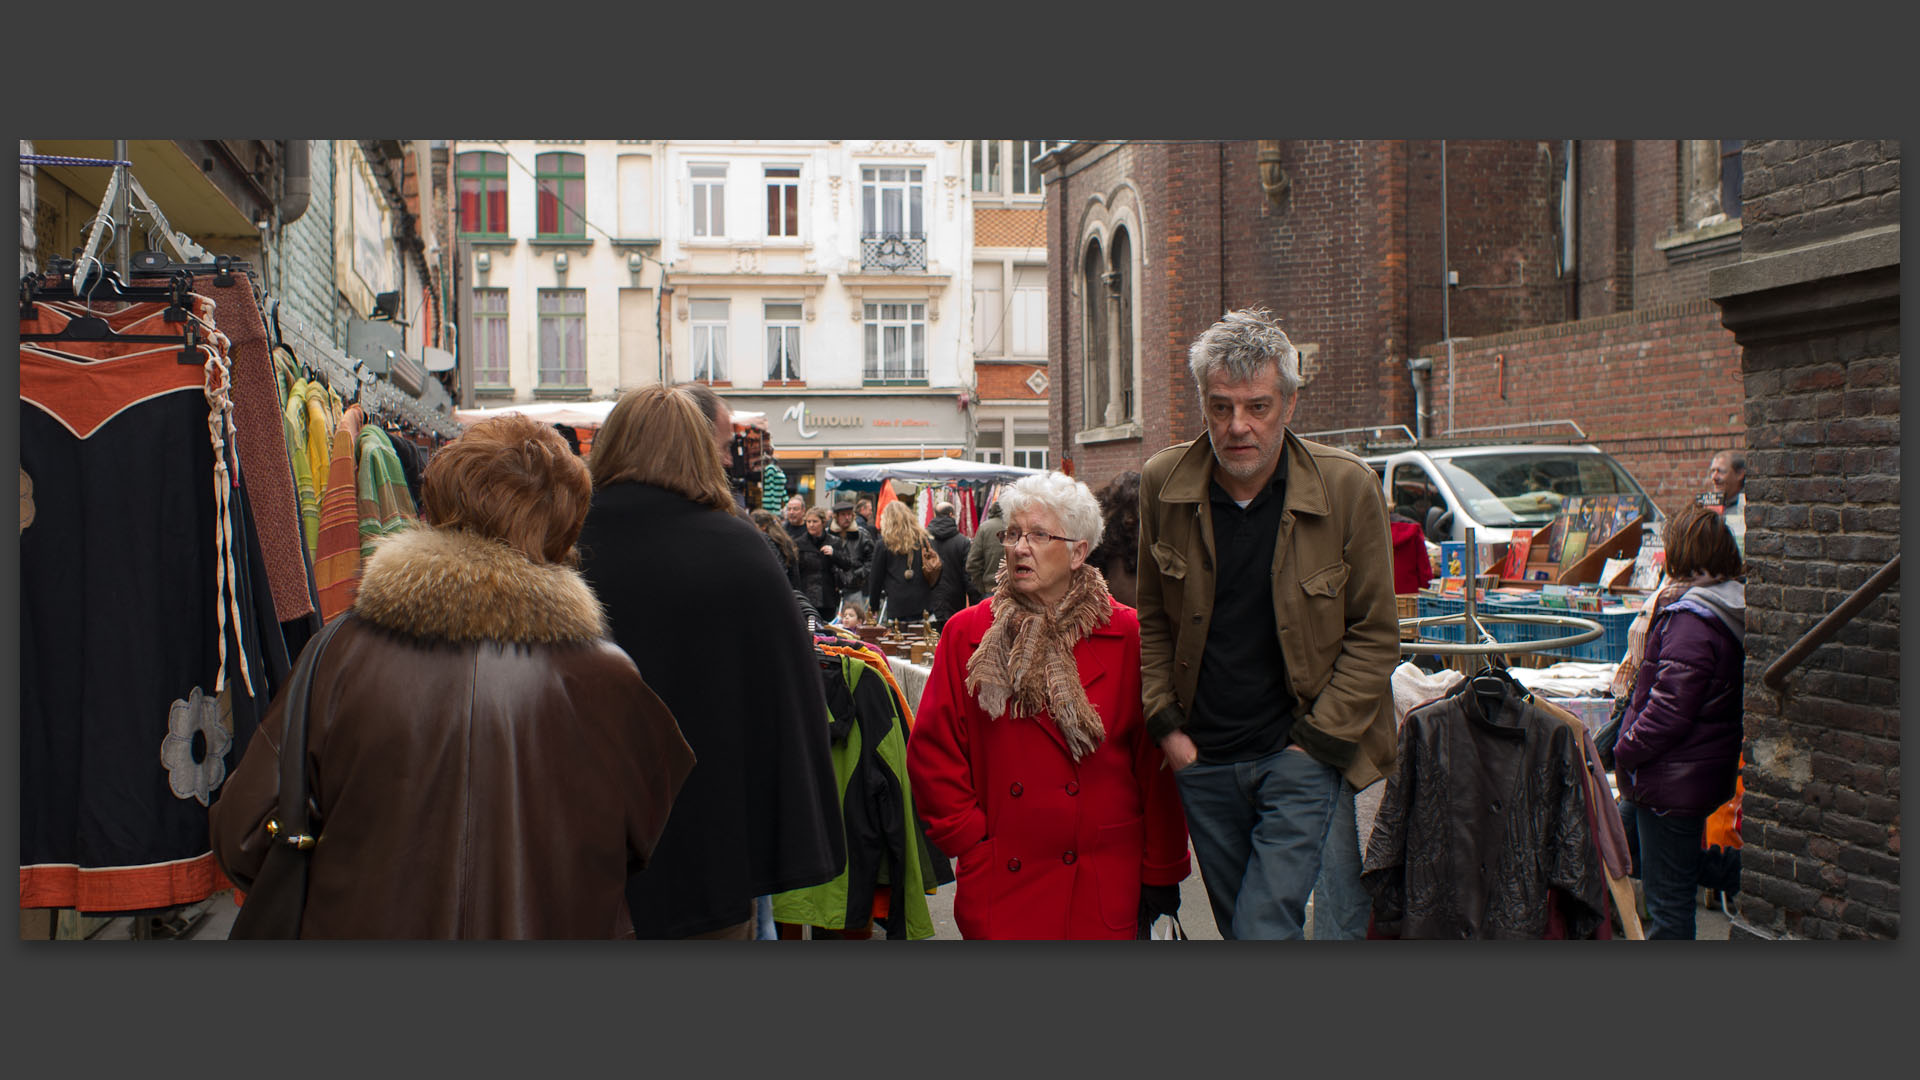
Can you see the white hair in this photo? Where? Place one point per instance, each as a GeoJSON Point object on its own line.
{"type": "Point", "coordinates": [1240, 346]}
{"type": "Point", "coordinates": [1070, 501]}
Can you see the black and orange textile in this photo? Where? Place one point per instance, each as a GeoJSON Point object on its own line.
{"type": "Point", "coordinates": [130, 598]}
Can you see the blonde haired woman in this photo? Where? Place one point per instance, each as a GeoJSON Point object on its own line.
{"type": "Point", "coordinates": [899, 588]}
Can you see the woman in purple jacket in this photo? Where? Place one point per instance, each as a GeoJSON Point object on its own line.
{"type": "Point", "coordinates": [1679, 747]}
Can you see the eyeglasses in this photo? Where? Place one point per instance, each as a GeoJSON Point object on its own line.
{"type": "Point", "coordinates": [1012, 537]}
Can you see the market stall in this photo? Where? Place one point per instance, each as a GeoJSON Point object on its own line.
{"type": "Point", "coordinates": [969, 485]}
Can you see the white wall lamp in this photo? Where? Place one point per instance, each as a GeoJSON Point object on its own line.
{"type": "Point", "coordinates": [482, 262]}
{"type": "Point", "coordinates": [560, 262]}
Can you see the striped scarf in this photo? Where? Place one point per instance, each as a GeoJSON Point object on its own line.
{"type": "Point", "coordinates": [336, 568]}
{"type": "Point", "coordinates": [386, 507]}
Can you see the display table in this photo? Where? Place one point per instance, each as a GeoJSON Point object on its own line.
{"type": "Point", "coordinates": [911, 677]}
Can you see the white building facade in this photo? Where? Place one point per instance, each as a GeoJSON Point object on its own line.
{"type": "Point", "coordinates": [560, 251]}
{"type": "Point", "coordinates": [824, 284]}
{"type": "Point", "coordinates": [844, 289]}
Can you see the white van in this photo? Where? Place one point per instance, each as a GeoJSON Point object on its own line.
{"type": "Point", "coordinates": [1493, 486]}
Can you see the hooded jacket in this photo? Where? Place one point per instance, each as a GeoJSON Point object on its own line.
{"type": "Point", "coordinates": [984, 554]}
{"type": "Point", "coordinates": [817, 574]}
{"type": "Point", "coordinates": [1679, 748]}
{"type": "Point", "coordinates": [468, 714]}
{"type": "Point", "coordinates": [949, 593]}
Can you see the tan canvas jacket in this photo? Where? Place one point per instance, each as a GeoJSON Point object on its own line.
{"type": "Point", "coordinates": [1332, 597]}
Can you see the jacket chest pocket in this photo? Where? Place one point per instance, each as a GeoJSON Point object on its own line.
{"type": "Point", "coordinates": [1173, 576]}
{"type": "Point", "coordinates": [1323, 605]}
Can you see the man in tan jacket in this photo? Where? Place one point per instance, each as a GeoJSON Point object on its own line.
{"type": "Point", "coordinates": [1268, 638]}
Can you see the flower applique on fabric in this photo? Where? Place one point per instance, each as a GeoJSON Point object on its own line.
{"type": "Point", "coordinates": [26, 500]}
{"type": "Point", "coordinates": [190, 777]}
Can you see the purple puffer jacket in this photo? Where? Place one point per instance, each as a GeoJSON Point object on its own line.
{"type": "Point", "coordinates": [1679, 747]}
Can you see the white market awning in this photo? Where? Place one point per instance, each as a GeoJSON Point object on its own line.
{"type": "Point", "coordinates": [931, 469]}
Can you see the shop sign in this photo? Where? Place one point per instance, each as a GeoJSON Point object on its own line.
{"type": "Point", "coordinates": [854, 420]}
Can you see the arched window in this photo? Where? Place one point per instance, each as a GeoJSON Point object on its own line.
{"type": "Point", "coordinates": [1120, 273]}
{"type": "Point", "coordinates": [1093, 339]}
{"type": "Point", "coordinates": [562, 179]}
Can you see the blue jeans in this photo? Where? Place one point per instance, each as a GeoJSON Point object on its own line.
{"type": "Point", "coordinates": [1259, 829]}
{"type": "Point", "coordinates": [763, 929]}
{"type": "Point", "coordinates": [1340, 903]}
{"type": "Point", "coordinates": [1666, 858]}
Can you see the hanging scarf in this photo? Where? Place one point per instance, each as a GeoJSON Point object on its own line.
{"type": "Point", "coordinates": [1024, 665]}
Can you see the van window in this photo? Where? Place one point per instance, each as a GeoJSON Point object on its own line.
{"type": "Point", "coordinates": [1414, 491]}
{"type": "Point", "coordinates": [1522, 489]}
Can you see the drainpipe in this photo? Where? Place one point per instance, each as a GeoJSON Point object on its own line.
{"type": "Point", "coordinates": [299, 180]}
{"type": "Point", "coordinates": [1417, 369]}
{"type": "Point", "coordinates": [1446, 285]}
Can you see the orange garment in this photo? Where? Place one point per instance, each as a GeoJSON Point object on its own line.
{"type": "Point", "coordinates": [336, 568]}
{"type": "Point", "coordinates": [878, 661]}
{"type": "Point", "coordinates": [1723, 825]}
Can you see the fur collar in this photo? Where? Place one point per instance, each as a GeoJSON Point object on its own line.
{"type": "Point", "coordinates": [1025, 665]}
{"type": "Point", "coordinates": [450, 585]}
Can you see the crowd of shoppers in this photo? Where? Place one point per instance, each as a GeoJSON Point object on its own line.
{"type": "Point", "coordinates": [581, 698]}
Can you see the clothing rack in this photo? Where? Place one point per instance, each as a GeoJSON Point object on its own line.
{"type": "Point", "coordinates": [1482, 643]}
{"type": "Point", "coordinates": [350, 378]}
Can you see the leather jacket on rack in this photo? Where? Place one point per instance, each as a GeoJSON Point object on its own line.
{"type": "Point", "coordinates": [1484, 825]}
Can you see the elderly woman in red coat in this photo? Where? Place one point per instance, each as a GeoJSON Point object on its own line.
{"type": "Point", "coordinates": [1030, 760]}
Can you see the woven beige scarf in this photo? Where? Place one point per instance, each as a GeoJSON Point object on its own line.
{"type": "Point", "coordinates": [1024, 665]}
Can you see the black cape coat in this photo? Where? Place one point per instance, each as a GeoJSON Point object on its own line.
{"type": "Point", "coordinates": [694, 598]}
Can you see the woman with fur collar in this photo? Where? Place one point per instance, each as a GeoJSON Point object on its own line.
{"type": "Point", "coordinates": [1679, 748]}
{"type": "Point", "coordinates": [694, 599]}
{"type": "Point", "coordinates": [1030, 760]}
{"type": "Point", "coordinates": [482, 761]}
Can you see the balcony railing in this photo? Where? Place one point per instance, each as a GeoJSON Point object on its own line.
{"type": "Point", "coordinates": [912, 375]}
{"type": "Point", "coordinates": [893, 252]}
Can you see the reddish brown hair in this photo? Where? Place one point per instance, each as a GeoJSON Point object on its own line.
{"type": "Point", "coordinates": [657, 435]}
{"type": "Point", "coordinates": [510, 478]}
{"type": "Point", "coordinates": [1698, 541]}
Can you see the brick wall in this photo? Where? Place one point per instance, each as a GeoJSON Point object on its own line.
{"type": "Point", "coordinates": [1351, 262]}
{"type": "Point", "coordinates": [1003, 227]}
{"type": "Point", "coordinates": [1502, 205]}
{"type": "Point", "coordinates": [1797, 191]}
{"type": "Point", "coordinates": [1658, 389]}
{"type": "Point", "coordinates": [1006, 382]}
{"type": "Point", "coordinates": [1822, 810]}
{"type": "Point", "coordinates": [1823, 786]}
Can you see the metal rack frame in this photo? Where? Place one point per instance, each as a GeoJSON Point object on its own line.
{"type": "Point", "coordinates": [1484, 643]}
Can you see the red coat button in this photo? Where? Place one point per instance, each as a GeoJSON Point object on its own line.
{"type": "Point", "coordinates": [1013, 864]}
{"type": "Point", "coordinates": [1073, 788]}
{"type": "Point", "coordinates": [1068, 858]}
{"type": "Point", "coordinates": [1015, 790]}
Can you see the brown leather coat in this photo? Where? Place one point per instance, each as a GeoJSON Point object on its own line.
{"type": "Point", "coordinates": [482, 762]}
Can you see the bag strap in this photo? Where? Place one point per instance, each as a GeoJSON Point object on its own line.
{"type": "Point", "coordinates": [290, 826]}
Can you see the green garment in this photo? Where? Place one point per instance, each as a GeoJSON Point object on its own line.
{"type": "Point", "coordinates": [826, 905]}
{"type": "Point", "coordinates": [303, 480]}
{"type": "Point", "coordinates": [386, 507]}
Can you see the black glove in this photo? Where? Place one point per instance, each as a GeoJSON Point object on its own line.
{"type": "Point", "coordinates": [1155, 901]}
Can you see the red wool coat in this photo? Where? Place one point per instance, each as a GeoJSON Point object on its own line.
{"type": "Point", "coordinates": [1045, 847]}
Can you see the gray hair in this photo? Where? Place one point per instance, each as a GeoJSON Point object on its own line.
{"type": "Point", "coordinates": [1735, 460]}
{"type": "Point", "coordinates": [1070, 501]}
{"type": "Point", "coordinates": [1239, 347]}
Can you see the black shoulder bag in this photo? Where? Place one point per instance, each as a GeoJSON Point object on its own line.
{"type": "Point", "coordinates": [278, 899]}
